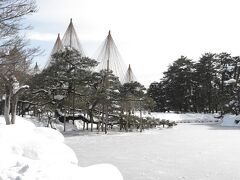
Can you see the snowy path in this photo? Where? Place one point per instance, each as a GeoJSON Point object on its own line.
{"type": "Point", "coordinates": [188, 151]}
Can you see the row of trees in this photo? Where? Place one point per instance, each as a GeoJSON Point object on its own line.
{"type": "Point", "coordinates": [71, 85]}
{"type": "Point", "coordinates": [208, 85]}
{"type": "Point", "coordinates": [15, 55]}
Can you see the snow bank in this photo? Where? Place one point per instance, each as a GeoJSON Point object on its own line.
{"type": "Point", "coordinates": [231, 120]}
{"type": "Point", "coordinates": [185, 118]}
{"type": "Point", "coordinates": [28, 153]}
{"type": "Point", "coordinates": [230, 81]}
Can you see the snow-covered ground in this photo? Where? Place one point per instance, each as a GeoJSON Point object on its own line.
{"type": "Point", "coordinates": [28, 152]}
{"type": "Point", "coordinates": [185, 117]}
{"type": "Point", "coordinates": [186, 151]}
{"type": "Point", "coordinates": [231, 120]}
{"type": "Point", "coordinates": [194, 151]}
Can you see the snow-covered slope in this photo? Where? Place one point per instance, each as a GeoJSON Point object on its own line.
{"type": "Point", "coordinates": [185, 117]}
{"type": "Point", "coordinates": [228, 119]}
{"type": "Point", "coordinates": [231, 120]}
{"type": "Point", "coordinates": [28, 152]}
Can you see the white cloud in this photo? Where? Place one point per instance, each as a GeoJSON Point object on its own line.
{"type": "Point", "coordinates": [42, 36]}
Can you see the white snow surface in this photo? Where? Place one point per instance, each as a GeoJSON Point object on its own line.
{"type": "Point", "coordinates": [205, 150]}
{"type": "Point", "coordinates": [184, 117]}
{"type": "Point", "coordinates": [230, 81]}
{"type": "Point", "coordinates": [59, 97]}
{"type": "Point", "coordinates": [28, 152]}
{"type": "Point", "coordinates": [231, 120]}
{"type": "Point", "coordinates": [189, 151]}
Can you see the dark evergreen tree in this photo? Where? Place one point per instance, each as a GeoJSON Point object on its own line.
{"type": "Point", "coordinates": [179, 85]}
{"type": "Point", "coordinates": [157, 92]}
{"type": "Point", "coordinates": [63, 82]}
{"type": "Point", "coordinates": [102, 94]}
{"type": "Point", "coordinates": [232, 103]}
{"type": "Point", "coordinates": [210, 85]}
{"type": "Point", "coordinates": [224, 67]}
{"type": "Point", "coordinates": [205, 98]}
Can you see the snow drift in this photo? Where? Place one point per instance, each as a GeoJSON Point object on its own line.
{"type": "Point", "coordinates": [231, 120]}
{"type": "Point", "coordinates": [185, 117]}
{"type": "Point", "coordinates": [28, 152]}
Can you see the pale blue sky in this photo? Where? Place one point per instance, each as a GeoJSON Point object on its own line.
{"type": "Point", "coordinates": [150, 34]}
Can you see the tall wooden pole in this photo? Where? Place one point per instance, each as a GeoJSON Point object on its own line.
{"type": "Point", "coordinates": [71, 32]}
{"type": "Point", "coordinates": [64, 126]}
{"type": "Point", "coordinates": [106, 80]}
{"type": "Point", "coordinates": [74, 86]}
{"type": "Point", "coordinates": [141, 121]}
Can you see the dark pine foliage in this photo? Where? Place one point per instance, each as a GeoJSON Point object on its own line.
{"type": "Point", "coordinates": [209, 85]}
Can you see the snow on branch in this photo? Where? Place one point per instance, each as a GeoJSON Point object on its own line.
{"type": "Point", "coordinates": [41, 90]}
{"type": "Point", "coordinates": [19, 90]}
{"type": "Point", "coordinates": [230, 81]}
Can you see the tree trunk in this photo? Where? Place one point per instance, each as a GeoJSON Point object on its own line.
{"type": "Point", "coordinates": [83, 125]}
{"type": "Point", "coordinates": [14, 103]}
{"type": "Point", "coordinates": [64, 126]}
{"type": "Point", "coordinates": [14, 108]}
{"type": "Point", "coordinates": [1, 108]}
{"type": "Point", "coordinates": [7, 108]}
{"type": "Point", "coordinates": [103, 110]}
{"type": "Point", "coordinates": [22, 111]}
{"type": "Point", "coordinates": [91, 119]}
{"type": "Point", "coordinates": [106, 120]}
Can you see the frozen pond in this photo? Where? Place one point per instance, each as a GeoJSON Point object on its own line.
{"type": "Point", "coordinates": [187, 151]}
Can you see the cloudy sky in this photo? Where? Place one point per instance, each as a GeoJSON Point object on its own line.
{"type": "Point", "coordinates": [150, 34]}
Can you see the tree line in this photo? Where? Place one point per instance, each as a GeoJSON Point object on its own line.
{"type": "Point", "coordinates": [208, 85]}
{"type": "Point", "coordinates": [70, 85]}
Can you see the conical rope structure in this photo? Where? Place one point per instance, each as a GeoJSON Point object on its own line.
{"type": "Point", "coordinates": [129, 77]}
{"type": "Point", "coordinates": [57, 47]}
{"type": "Point", "coordinates": [70, 39]}
{"type": "Point", "coordinates": [110, 58]}
{"type": "Point", "coordinates": [36, 69]}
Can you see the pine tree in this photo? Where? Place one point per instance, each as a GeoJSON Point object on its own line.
{"type": "Point", "coordinates": [178, 85]}
{"type": "Point", "coordinates": [64, 81]}
{"type": "Point", "coordinates": [157, 92]}
{"type": "Point", "coordinates": [206, 99]}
